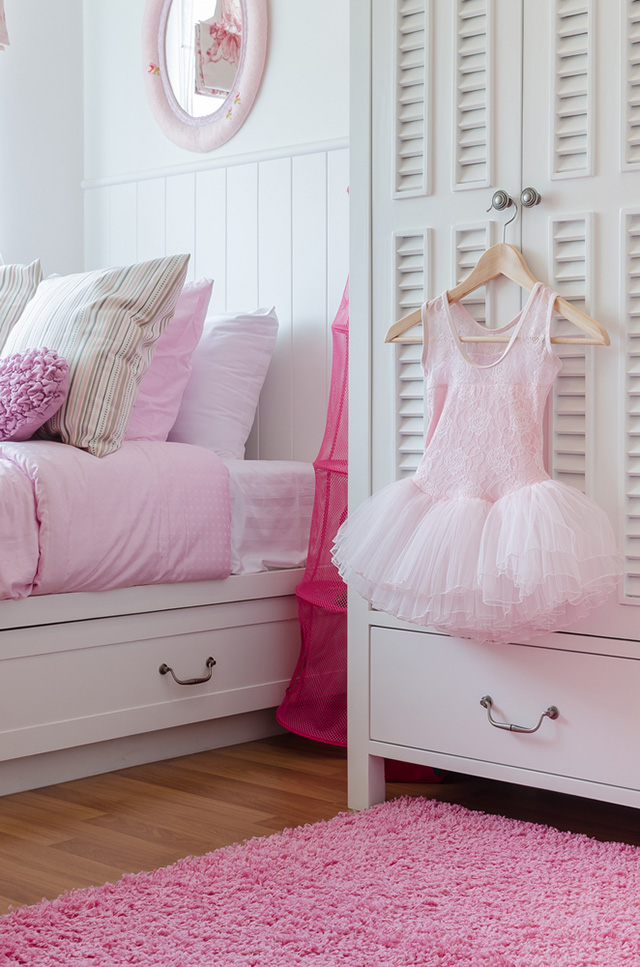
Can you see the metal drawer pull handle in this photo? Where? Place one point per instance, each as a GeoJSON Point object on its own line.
{"type": "Point", "coordinates": [486, 701]}
{"type": "Point", "coordinates": [164, 668]}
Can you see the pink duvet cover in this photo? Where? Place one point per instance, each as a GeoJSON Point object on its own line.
{"type": "Point", "coordinates": [151, 513]}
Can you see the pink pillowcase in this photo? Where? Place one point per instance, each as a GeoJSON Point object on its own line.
{"type": "Point", "coordinates": [33, 386]}
{"type": "Point", "coordinates": [162, 386]}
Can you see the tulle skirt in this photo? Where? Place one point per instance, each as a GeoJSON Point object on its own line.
{"type": "Point", "coordinates": [534, 561]}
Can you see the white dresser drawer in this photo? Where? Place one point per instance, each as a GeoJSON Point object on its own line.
{"type": "Point", "coordinates": [426, 691]}
{"type": "Point", "coordinates": [90, 681]}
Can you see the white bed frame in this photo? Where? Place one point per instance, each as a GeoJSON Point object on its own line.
{"type": "Point", "coordinates": [80, 688]}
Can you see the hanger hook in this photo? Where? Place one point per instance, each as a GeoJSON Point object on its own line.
{"type": "Point", "coordinates": [509, 221]}
{"type": "Point", "coordinates": [500, 201]}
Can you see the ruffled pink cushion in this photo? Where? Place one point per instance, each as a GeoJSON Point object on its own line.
{"type": "Point", "coordinates": [33, 385]}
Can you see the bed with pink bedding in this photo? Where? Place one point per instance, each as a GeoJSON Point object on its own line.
{"type": "Point", "coordinates": [147, 585]}
{"type": "Point", "coordinates": [113, 567]}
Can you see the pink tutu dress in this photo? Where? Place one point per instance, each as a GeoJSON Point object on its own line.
{"type": "Point", "coordinates": [481, 542]}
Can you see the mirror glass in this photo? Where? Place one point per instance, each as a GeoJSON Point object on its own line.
{"type": "Point", "coordinates": [203, 44]}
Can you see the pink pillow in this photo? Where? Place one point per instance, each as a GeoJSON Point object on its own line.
{"type": "Point", "coordinates": [162, 386]}
{"type": "Point", "coordinates": [33, 385]}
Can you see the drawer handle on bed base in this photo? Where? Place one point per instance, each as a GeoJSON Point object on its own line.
{"type": "Point", "coordinates": [164, 668]}
{"type": "Point", "coordinates": [486, 701]}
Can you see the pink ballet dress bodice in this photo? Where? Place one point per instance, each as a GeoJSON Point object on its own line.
{"type": "Point", "coordinates": [486, 400]}
{"type": "Point", "coordinates": [481, 542]}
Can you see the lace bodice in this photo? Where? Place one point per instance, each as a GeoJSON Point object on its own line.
{"type": "Point", "coordinates": [485, 401]}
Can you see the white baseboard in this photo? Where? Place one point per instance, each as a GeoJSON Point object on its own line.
{"type": "Point", "coordinates": [51, 768]}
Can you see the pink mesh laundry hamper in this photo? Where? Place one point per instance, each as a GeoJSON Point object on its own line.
{"type": "Point", "coordinates": [315, 703]}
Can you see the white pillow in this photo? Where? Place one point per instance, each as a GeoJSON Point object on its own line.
{"type": "Point", "coordinates": [228, 369]}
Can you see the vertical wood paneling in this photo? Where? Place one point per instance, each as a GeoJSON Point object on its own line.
{"type": "Point", "coordinates": [124, 225]}
{"type": "Point", "coordinates": [273, 432]}
{"type": "Point", "coordinates": [473, 94]}
{"type": "Point", "coordinates": [151, 219]}
{"type": "Point", "coordinates": [274, 238]}
{"type": "Point", "coordinates": [631, 503]}
{"type": "Point", "coordinates": [337, 236]}
{"type": "Point", "coordinates": [571, 144]}
{"type": "Point", "coordinates": [337, 227]}
{"type": "Point", "coordinates": [310, 316]}
{"type": "Point", "coordinates": [411, 287]}
{"type": "Point", "coordinates": [242, 237]}
{"type": "Point", "coordinates": [412, 97]}
{"type": "Point", "coordinates": [570, 435]}
{"type": "Point", "coordinates": [211, 234]}
{"type": "Point", "coordinates": [272, 232]}
{"type": "Point", "coordinates": [180, 225]}
{"type": "Point", "coordinates": [97, 228]}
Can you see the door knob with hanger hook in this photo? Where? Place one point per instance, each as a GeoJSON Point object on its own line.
{"type": "Point", "coordinates": [500, 201]}
{"type": "Point", "coordinates": [504, 260]}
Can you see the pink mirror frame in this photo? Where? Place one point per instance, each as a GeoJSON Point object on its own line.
{"type": "Point", "coordinates": [209, 132]}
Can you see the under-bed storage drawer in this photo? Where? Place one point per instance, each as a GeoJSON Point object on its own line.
{"type": "Point", "coordinates": [426, 691]}
{"type": "Point", "coordinates": [89, 681]}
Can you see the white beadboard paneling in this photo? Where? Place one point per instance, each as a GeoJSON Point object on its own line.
{"type": "Point", "coordinates": [570, 436]}
{"type": "Point", "coordinates": [273, 431]}
{"type": "Point", "coordinates": [274, 237]}
{"type": "Point", "coordinates": [273, 231]}
{"type": "Point", "coordinates": [573, 77]}
{"type": "Point", "coordinates": [473, 94]}
{"type": "Point", "coordinates": [337, 226]}
{"type": "Point", "coordinates": [123, 242]}
{"type": "Point", "coordinates": [310, 315]}
{"type": "Point", "coordinates": [242, 237]}
{"type": "Point", "coordinates": [337, 236]}
{"type": "Point", "coordinates": [97, 222]}
{"type": "Point", "coordinates": [151, 219]}
{"type": "Point", "coordinates": [180, 224]}
{"type": "Point", "coordinates": [631, 313]}
{"type": "Point", "coordinates": [413, 19]}
{"type": "Point", "coordinates": [211, 234]}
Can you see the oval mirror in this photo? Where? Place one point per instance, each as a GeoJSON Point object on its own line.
{"type": "Point", "coordinates": [203, 62]}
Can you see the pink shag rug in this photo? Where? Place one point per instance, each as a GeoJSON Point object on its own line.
{"type": "Point", "coordinates": [409, 882]}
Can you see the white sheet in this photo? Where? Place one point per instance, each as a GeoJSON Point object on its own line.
{"type": "Point", "coordinates": [271, 505]}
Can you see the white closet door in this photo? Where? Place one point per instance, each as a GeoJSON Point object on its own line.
{"type": "Point", "coordinates": [580, 151]}
{"type": "Point", "coordinates": [446, 93]}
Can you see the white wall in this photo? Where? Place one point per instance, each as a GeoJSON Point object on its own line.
{"type": "Point", "coordinates": [41, 135]}
{"type": "Point", "coordinates": [303, 98]}
{"type": "Point", "coordinates": [265, 215]}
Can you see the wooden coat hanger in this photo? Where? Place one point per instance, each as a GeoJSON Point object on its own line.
{"type": "Point", "coordinates": [504, 259]}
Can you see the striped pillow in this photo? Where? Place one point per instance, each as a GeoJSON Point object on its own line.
{"type": "Point", "coordinates": [106, 325]}
{"type": "Point", "coordinates": [18, 284]}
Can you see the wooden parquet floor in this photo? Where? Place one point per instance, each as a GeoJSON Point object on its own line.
{"type": "Point", "coordinates": [91, 831]}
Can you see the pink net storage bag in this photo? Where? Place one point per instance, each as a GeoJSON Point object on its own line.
{"type": "Point", "coordinates": [315, 703]}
